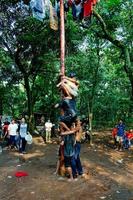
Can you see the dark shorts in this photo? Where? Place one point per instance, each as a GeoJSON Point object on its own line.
{"type": "Point", "coordinates": [68, 119]}
{"type": "Point", "coordinates": [68, 161]}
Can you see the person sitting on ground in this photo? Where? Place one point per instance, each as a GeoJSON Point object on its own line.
{"type": "Point", "coordinates": [120, 134]}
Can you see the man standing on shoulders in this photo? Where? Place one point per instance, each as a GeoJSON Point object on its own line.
{"type": "Point", "coordinates": [23, 133]}
{"type": "Point", "coordinates": [48, 127]}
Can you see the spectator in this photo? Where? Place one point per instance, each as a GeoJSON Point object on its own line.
{"type": "Point", "coordinates": [48, 127]}
{"type": "Point", "coordinates": [23, 133]}
{"type": "Point", "coordinates": [114, 135]}
{"type": "Point", "coordinates": [5, 131]}
{"type": "Point", "coordinates": [128, 138]}
{"type": "Point", "coordinates": [120, 134]}
{"type": "Point", "coordinates": [12, 130]}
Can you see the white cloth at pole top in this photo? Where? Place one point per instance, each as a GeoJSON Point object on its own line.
{"type": "Point", "coordinates": [40, 8]}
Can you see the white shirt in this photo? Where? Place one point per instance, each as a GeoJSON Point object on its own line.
{"type": "Point", "coordinates": [23, 130]}
{"type": "Point", "coordinates": [48, 126]}
{"type": "Point", "coordinates": [12, 128]}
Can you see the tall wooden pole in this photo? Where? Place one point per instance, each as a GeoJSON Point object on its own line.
{"type": "Point", "coordinates": [62, 38]}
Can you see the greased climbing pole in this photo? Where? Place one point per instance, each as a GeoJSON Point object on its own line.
{"type": "Point", "coordinates": [62, 38]}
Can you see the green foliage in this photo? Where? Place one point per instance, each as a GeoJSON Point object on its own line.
{"type": "Point", "coordinates": [105, 88]}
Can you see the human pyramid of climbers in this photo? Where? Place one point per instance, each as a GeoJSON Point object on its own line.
{"type": "Point", "coordinates": [69, 152]}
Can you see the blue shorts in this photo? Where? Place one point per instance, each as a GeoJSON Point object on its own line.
{"type": "Point", "coordinates": [68, 161]}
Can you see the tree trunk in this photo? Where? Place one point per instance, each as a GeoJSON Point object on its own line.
{"type": "Point", "coordinates": [27, 88]}
{"type": "Point", "coordinates": [1, 105]}
{"type": "Point", "coordinates": [129, 72]}
{"type": "Point", "coordinates": [1, 99]}
{"type": "Point", "coordinates": [28, 93]}
{"type": "Point", "coordinates": [91, 101]}
{"type": "Point", "coordinates": [90, 127]}
{"type": "Point", "coordinates": [90, 115]}
{"type": "Point", "coordinates": [29, 103]}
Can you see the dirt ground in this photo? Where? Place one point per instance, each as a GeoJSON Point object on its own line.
{"type": "Point", "coordinates": [109, 173]}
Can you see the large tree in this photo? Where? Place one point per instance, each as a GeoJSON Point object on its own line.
{"type": "Point", "coordinates": [115, 19]}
